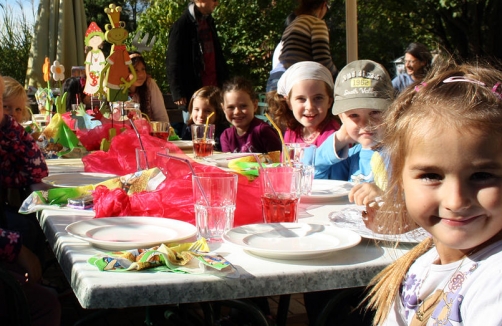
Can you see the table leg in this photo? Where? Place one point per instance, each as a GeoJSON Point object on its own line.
{"type": "Point", "coordinates": [282, 309]}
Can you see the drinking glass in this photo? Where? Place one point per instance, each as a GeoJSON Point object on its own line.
{"type": "Point", "coordinates": [160, 129]}
{"type": "Point", "coordinates": [203, 140]}
{"type": "Point", "coordinates": [214, 200]}
{"type": "Point", "coordinates": [147, 158]}
{"type": "Point", "coordinates": [302, 156]}
{"type": "Point", "coordinates": [281, 191]}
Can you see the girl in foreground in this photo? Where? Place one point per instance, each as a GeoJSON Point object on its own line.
{"type": "Point", "coordinates": [248, 134]}
{"type": "Point", "coordinates": [303, 103]}
{"type": "Point", "coordinates": [443, 139]}
{"type": "Point", "coordinates": [204, 102]}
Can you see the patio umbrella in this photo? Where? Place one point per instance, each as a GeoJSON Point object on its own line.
{"type": "Point", "coordinates": [59, 35]}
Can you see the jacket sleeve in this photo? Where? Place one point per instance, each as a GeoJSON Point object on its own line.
{"type": "Point", "coordinates": [326, 158]}
{"type": "Point", "coordinates": [173, 59]}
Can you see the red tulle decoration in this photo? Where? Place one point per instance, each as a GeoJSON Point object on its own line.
{"type": "Point", "coordinates": [174, 197]}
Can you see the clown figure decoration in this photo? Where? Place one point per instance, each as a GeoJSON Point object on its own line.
{"type": "Point", "coordinates": [118, 67]}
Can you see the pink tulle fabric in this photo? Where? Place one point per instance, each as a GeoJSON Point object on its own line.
{"type": "Point", "coordinates": [174, 197]}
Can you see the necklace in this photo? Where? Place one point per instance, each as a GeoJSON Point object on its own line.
{"type": "Point", "coordinates": [310, 138]}
{"type": "Point", "coordinates": [424, 310]}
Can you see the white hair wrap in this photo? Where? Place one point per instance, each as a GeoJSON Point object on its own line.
{"type": "Point", "coordinates": [302, 71]}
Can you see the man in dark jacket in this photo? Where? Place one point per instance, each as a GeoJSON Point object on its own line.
{"type": "Point", "coordinates": [194, 54]}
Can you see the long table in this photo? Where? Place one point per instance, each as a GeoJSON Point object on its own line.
{"type": "Point", "coordinates": [258, 276]}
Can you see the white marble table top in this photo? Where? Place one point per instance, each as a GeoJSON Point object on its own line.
{"type": "Point", "coordinates": [258, 276]}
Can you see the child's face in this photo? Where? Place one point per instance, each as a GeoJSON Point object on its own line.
{"type": "Point", "coordinates": [140, 74]}
{"type": "Point", "coordinates": [453, 188]}
{"type": "Point", "coordinates": [239, 109]}
{"type": "Point", "coordinates": [310, 102]}
{"type": "Point", "coordinates": [15, 107]}
{"type": "Point", "coordinates": [201, 110]}
{"type": "Point", "coordinates": [363, 125]}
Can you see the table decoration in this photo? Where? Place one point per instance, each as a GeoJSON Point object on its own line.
{"type": "Point", "coordinates": [174, 258]}
{"type": "Point", "coordinates": [174, 197]}
{"type": "Point", "coordinates": [141, 181]}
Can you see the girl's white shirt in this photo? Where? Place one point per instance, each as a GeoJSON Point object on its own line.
{"type": "Point", "coordinates": [472, 294]}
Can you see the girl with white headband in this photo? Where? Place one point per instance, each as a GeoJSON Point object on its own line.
{"type": "Point", "coordinates": [302, 103]}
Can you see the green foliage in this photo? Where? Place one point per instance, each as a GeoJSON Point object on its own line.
{"type": "Point", "coordinates": [15, 41]}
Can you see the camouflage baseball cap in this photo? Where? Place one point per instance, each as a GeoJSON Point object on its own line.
{"type": "Point", "coordinates": [362, 84]}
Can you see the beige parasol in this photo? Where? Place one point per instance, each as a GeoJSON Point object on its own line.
{"type": "Point", "coordinates": [59, 35]}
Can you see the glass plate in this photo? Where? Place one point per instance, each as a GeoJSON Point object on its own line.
{"type": "Point", "coordinates": [351, 219]}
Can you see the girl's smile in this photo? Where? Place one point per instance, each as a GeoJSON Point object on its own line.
{"type": "Point", "coordinates": [310, 102]}
{"type": "Point", "coordinates": [201, 110]}
{"type": "Point", "coordinates": [239, 109]}
{"type": "Point", "coordinates": [453, 187]}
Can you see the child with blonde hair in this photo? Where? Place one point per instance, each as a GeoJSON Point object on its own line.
{"type": "Point", "coordinates": [302, 103]}
{"type": "Point", "coordinates": [15, 100]}
{"type": "Point", "coordinates": [203, 103]}
{"type": "Point", "coordinates": [443, 140]}
{"type": "Point", "coordinates": [363, 92]}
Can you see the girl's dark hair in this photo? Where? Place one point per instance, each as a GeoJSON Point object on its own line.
{"type": "Point", "coordinates": [74, 86]}
{"type": "Point", "coordinates": [307, 7]}
{"type": "Point", "coordinates": [422, 53]}
{"type": "Point", "coordinates": [213, 95]}
{"type": "Point", "coordinates": [142, 91]}
{"type": "Point", "coordinates": [239, 84]}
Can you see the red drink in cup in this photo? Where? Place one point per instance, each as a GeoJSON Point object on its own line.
{"type": "Point", "coordinates": [202, 148]}
{"type": "Point", "coordinates": [279, 209]}
{"type": "Point", "coordinates": [281, 190]}
{"type": "Point", "coordinates": [160, 134]}
{"type": "Point", "coordinates": [203, 140]}
{"type": "Point", "coordinates": [160, 129]}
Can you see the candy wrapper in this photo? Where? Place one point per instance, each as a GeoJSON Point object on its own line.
{"type": "Point", "coordinates": [142, 181]}
{"type": "Point", "coordinates": [174, 258]}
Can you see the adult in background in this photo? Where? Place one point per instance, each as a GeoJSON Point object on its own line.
{"type": "Point", "coordinates": [277, 67]}
{"type": "Point", "coordinates": [307, 37]}
{"type": "Point", "coordinates": [194, 54]}
{"type": "Point", "coordinates": [417, 61]}
{"type": "Point", "coordinates": [146, 92]}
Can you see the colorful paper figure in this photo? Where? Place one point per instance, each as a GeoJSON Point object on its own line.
{"type": "Point", "coordinates": [118, 65]}
{"type": "Point", "coordinates": [95, 59]}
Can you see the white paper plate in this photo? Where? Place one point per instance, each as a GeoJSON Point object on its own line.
{"type": "Point", "coordinates": [183, 144]}
{"type": "Point", "coordinates": [351, 219]}
{"type": "Point", "coordinates": [77, 179]}
{"type": "Point", "coordinates": [290, 240]}
{"type": "Point", "coordinates": [323, 189]}
{"type": "Point", "coordinates": [131, 232]}
{"type": "Point", "coordinates": [222, 159]}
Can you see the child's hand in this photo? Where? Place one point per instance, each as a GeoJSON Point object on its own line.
{"type": "Point", "coordinates": [342, 138]}
{"type": "Point", "coordinates": [31, 264]}
{"type": "Point", "coordinates": [364, 193]}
